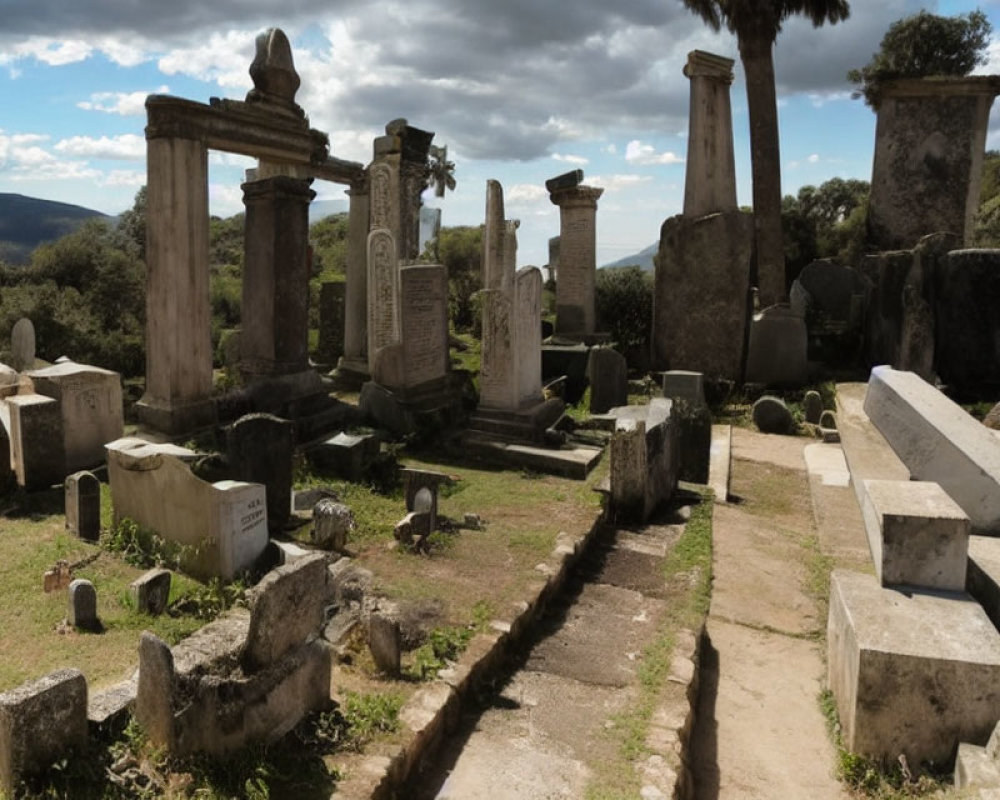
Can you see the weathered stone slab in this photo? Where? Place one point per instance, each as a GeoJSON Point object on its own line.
{"type": "Point", "coordinates": [332, 522]}
{"type": "Point", "coordinates": [286, 610]}
{"type": "Point", "coordinates": [83, 505]}
{"type": "Point", "coordinates": [151, 591]}
{"type": "Point", "coordinates": [384, 642]}
{"type": "Point", "coordinates": [778, 345]}
{"type": "Point", "coordinates": [913, 673]}
{"type": "Point", "coordinates": [345, 455]}
{"type": "Point", "coordinates": [331, 322]}
{"type": "Point", "coordinates": [700, 302]}
{"type": "Point", "coordinates": [967, 340]}
{"type": "Point", "coordinates": [607, 373]}
{"type": "Point", "coordinates": [938, 441]}
{"type": "Point", "coordinates": [223, 525]}
{"type": "Point", "coordinates": [40, 722]}
{"type": "Point", "coordinates": [260, 448]}
{"type": "Point", "coordinates": [644, 462]}
{"type": "Point", "coordinates": [424, 324]}
{"type": "Point", "coordinates": [90, 404]}
{"type": "Point", "coordinates": [812, 407]}
{"type": "Point", "coordinates": [36, 440]}
{"type": "Point", "coordinates": [917, 534]}
{"type": "Point", "coordinates": [682, 384]}
{"type": "Point", "coordinates": [22, 345]}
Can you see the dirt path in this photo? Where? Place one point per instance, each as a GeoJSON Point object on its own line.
{"type": "Point", "coordinates": [759, 730]}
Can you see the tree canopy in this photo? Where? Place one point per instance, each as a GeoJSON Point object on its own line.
{"type": "Point", "coordinates": [924, 45]}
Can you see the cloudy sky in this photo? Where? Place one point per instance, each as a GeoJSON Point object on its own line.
{"type": "Point", "coordinates": [519, 90]}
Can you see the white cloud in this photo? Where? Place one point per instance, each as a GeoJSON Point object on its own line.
{"type": "Point", "coordinates": [813, 158]}
{"type": "Point", "coordinates": [123, 177]}
{"type": "Point", "coordinates": [615, 183]}
{"type": "Point", "coordinates": [523, 194]}
{"type": "Point", "coordinates": [124, 103]}
{"type": "Point", "coordinates": [224, 59]}
{"type": "Point", "coordinates": [53, 52]}
{"type": "Point", "coordinates": [611, 149]}
{"type": "Point", "coordinates": [645, 154]}
{"type": "Point", "coordinates": [127, 147]}
{"type": "Point", "coordinates": [570, 159]}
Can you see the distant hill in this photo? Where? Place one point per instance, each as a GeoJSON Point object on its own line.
{"type": "Point", "coordinates": [643, 259]}
{"type": "Point", "coordinates": [26, 222]}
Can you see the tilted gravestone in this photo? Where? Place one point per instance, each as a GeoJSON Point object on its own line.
{"type": "Point", "coordinates": [151, 592]}
{"type": "Point", "coordinates": [83, 505]}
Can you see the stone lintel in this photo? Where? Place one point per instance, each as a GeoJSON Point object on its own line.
{"type": "Point", "coordinates": [986, 85]}
{"type": "Point", "coordinates": [236, 127]}
{"type": "Point", "coordinates": [278, 186]}
{"type": "Point", "coordinates": [335, 170]}
{"type": "Point", "coordinates": [568, 180]}
{"type": "Point", "coordinates": [577, 197]}
{"type": "Point", "coordinates": [701, 64]}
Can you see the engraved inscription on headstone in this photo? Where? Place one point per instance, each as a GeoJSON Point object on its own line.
{"type": "Point", "coordinates": [424, 323]}
{"type": "Point", "coordinates": [528, 353]}
{"type": "Point", "coordinates": [381, 196]}
{"type": "Point", "coordinates": [383, 292]}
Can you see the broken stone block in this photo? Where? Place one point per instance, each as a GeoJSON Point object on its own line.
{"type": "Point", "coordinates": [917, 534]}
{"type": "Point", "coordinates": [151, 592]}
{"type": "Point", "coordinates": [913, 672]}
{"type": "Point", "coordinates": [83, 605]}
{"type": "Point", "coordinates": [644, 460]}
{"type": "Point", "coordinates": [286, 610]}
{"type": "Point", "coordinates": [332, 521]}
{"type": "Point", "coordinates": [938, 441]}
{"type": "Point", "coordinates": [40, 722]}
{"type": "Point", "coordinates": [36, 441]}
{"type": "Point", "coordinates": [345, 455]}
{"type": "Point", "coordinates": [413, 529]}
{"type": "Point", "coordinates": [83, 505]}
{"type": "Point", "coordinates": [384, 642]}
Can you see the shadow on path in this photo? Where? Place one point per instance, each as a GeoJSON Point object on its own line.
{"type": "Point", "coordinates": [704, 744]}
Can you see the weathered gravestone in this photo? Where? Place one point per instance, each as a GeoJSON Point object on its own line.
{"type": "Point", "coordinates": [41, 721]}
{"type": "Point", "coordinates": [332, 522]}
{"type": "Point", "coordinates": [36, 440]}
{"type": "Point", "coordinates": [83, 505]}
{"type": "Point", "coordinates": [384, 642]}
{"type": "Point", "coordinates": [260, 448]}
{"type": "Point", "coordinates": [771, 415]}
{"type": "Point", "coordinates": [607, 373]}
{"type": "Point", "coordinates": [151, 591]}
{"type": "Point", "coordinates": [812, 406]}
{"type": "Point", "coordinates": [331, 322]}
{"type": "Point", "coordinates": [83, 605]}
{"type": "Point", "coordinates": [22, 345]}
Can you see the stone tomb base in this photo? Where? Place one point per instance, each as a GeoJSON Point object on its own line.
{"type": "Point", "coordinates": [431, 406]}
{"type": "Point", "coordinates": [524, 425]}
{"type": "Point", "coordinates": [912, 672]}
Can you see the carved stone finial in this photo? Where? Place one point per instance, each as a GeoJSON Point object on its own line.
{"type": "Point", "coordinates": [273, 71]}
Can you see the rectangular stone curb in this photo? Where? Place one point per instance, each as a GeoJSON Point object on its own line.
{"type": "Point", "coordinates": [434, 711]}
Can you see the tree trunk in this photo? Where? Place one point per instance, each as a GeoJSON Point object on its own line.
{"type": "Point", "coordinates": [765, 160]}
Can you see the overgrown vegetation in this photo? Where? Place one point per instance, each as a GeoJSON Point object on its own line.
{"type": "Point", "coordinates": [623, 305]}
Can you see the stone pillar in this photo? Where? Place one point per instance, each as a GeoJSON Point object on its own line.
{"type": "Point", "coordinates": [577, 259]}
{"type": "Point", "coordinates": [178, 393]}
{"type": "Point", "coordinates": [398, 177]}
{"type": "Point", "coordinates": [710, 184]}
{"type": "Point", "coordinates": [275, 313]}
{"type": "Point", "coordinates": [356, 292]}
{"type": "Point", "coordinates": [929, 145]}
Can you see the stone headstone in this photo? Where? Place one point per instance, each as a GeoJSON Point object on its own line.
{"type": "Point", "coordinates": [777, 354]}
{"type": "Point", "coordinates": [424, 324]}
{"type": "Point", "coordinates": [679, 384]}
{"type": "Point", "coordinates": [83, 505]}
{"type": "Point", "coordinates": [828, 420]}
{"type": "Point", "coordinates": [607, 372]}
{"type": "Point", "coordinates": [644, 456]}
{"type": "Point", "coordinates": [151, 592]}
{"type": "Point", "coordinates": [345, 455]}
{"type": "Point", "coordinates": [413, 529]}
{"type": "Point", "coordinates": [331, 322]}
{"type": "Point", "coordinates": [41, 721]}
{"type": "Point", "coordinates": [424, 484]}
{"type": "Point", "coordinates": [286, 610]}
{"type": "Point", "coordinates": [22, 345]}
{"type": "Point", "coordinates": [771, 415]}
{"type": "Point", "coordinates": [332, 522]}
{"type": "Point", "coordinates": [384, 642]}
{"type": "Point", "coordinates": [260, 448]}
{"type": "Point", "coordinates": [383, 289]}
{"type": "Point", "coordinates": [812, 407]}
{"type": "Point", "coordinates": [83, 605]}
{"type": "Point", "coordinates": [967, 333]}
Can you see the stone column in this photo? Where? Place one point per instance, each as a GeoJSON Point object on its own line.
{"type": "Point", "coordinates": [929, 145]}
{"type": "Point", "coordinates": [178, 393]}
{"type": "Point", "coordinates": [710, 184]}
{"type": "Point", "coordinates": [356, 292]}
{"type": "Point", "coordinates": [275, 312]}
{"type": "Point", "coordinates": [577, 259]}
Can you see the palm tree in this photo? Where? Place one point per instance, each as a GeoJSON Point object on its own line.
{"type": "Point", "coordinates": [757, 24]}
{"type": "Point", "coordinates": [440, 171]}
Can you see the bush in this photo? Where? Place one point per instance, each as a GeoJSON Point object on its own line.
{"type": "Point", "coordinates": [623, 300]}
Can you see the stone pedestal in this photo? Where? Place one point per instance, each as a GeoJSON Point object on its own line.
{"type": "Point", "coordinates": [178, 394]}
{"type": "Point", "coordinates": [275, 310]}
{"type": "Point", "coordinates": [575, 314]}
{"type": "Point", "coordinates": [700, 301]}
{"type": "Point", "coordinates": [36, 441]}
{"type": "Point", "coordinates": [777, 354]}
{"type": "Point", "coordinates": [913, 673]}
{"type": "Point", "coordinates": [929, 143]}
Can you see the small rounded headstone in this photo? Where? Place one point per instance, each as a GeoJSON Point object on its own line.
{"type": "Point", "coordinates": [992, 418]}
{"type": "Point", "coordinates": [812, 406]}
{"type": "Point", "coordinates": [22, 345]}
{"type": "Point", "coordinates": [82, 604]}
{"type": "Point", "coordinates": [771, 415]}
{"type": "Point", "coordinates": [828, 420]}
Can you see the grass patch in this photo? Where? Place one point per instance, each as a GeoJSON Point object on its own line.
{"type": "Point", "coordinates": [687, 573]}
